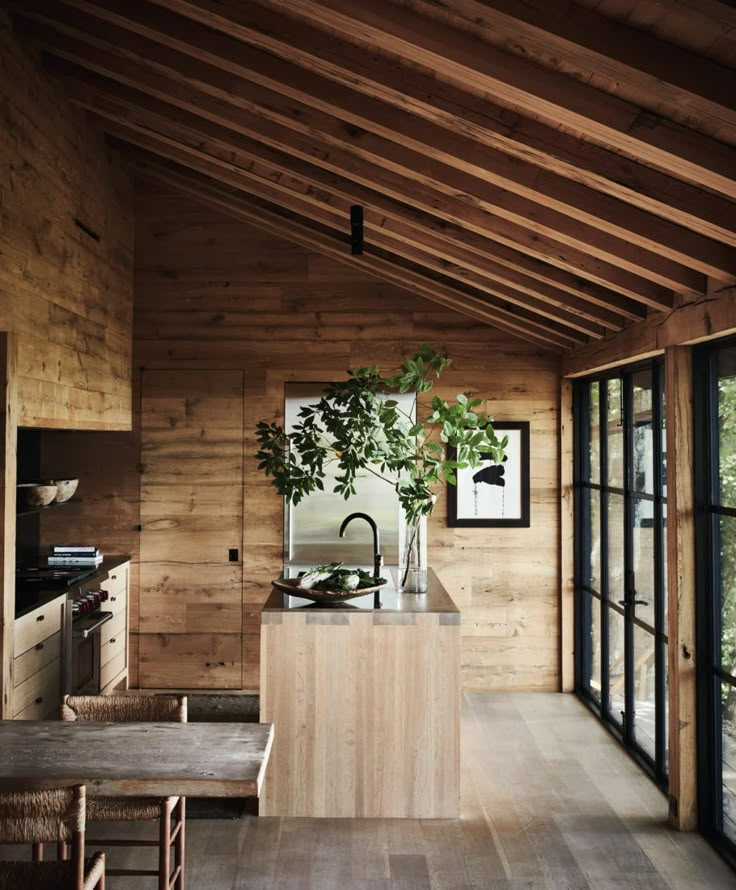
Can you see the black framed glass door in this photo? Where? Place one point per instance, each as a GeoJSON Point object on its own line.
{"type": "Point", "coordinates": [715, 477]}
{"type": "Point", "coordinates": [620, 509]}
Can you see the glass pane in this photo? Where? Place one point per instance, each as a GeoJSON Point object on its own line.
{"type": "Point", "coordinates": [615, 430]}
{"type": "Point", "coordinates": [664, 567]}
{"type": "Point", "coordinates": [643, 455]}
{"type": "Point", "coordinates": [594, 432]}
{"type": "Point", "coordinates": [594, 564]}
{"type": "Point", "coordinates": [727, 426]}
{"type": "Point", "coordinates": [615, 547]}
{"type": "Point", "coordinates": [728, 593]}
{"type": "Point", "coordinates": [643, 559]}
{"type": "Point", "coordinates": [644, 691]}
{"type": "Point", "coordinates": [594, 681]}
{"type": "Point", "coordinates": [663, 415]}
{"type": "Point", "coordinates": [728, 704]}
{"type": "Point", "coordinates": [616, 700]}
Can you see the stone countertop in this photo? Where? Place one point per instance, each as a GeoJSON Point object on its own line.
{"type": "Point", "coordinates": [435, 600]}
{"type": "Point", "coordinates": [28, 600]}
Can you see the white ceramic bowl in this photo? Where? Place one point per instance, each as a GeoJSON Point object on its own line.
{"type": "Point", "coordinates": [34, 494]}
{"type": "Point", "coordinates": [65, 489]}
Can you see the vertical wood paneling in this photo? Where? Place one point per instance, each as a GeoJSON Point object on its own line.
{"type": "Point", "coordinates": [353, 741]}
{"type": "Point", "coordinates": [67, 296]}
{"type": "Point", "coordinates": [190, 609]}
{"type": "Point", "coordinates": [215, 293]}
{"type": "Point", "coordinates": [567, 538]}
{"type": "Point", "coordinates": [8, 444]}
{"type": "Point", "coordinates": [681, 588]}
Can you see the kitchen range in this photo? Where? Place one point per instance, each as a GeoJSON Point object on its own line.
{"type": "Point", "coordinates": [85, 611]}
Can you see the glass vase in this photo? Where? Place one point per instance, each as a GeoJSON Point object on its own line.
{"type": "Point", "coordinates": [413, 556]}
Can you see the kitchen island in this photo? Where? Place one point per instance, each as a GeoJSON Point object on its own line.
{"type": "Point", "coordinates": [366, 706]}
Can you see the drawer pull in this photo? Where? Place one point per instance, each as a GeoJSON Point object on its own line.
{"type": "Point", "coordinates": [113, 577]}
{"type": "Point", "coordinates": [112, 639]}
{"type": "Point", "coordinates": [40, 617]}
{"type": "Point", "coordinates": [113, 599]}
{"type": "Point", "coordinates": [39, 646]}
{"type": "Point", "coordinates": [39, 700]}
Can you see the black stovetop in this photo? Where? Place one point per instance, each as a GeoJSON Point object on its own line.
{"type": "Point", "coordinates": [30, 578]}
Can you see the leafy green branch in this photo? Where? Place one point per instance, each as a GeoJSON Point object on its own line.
{"type": "Point", "coordinates": [359, 425]}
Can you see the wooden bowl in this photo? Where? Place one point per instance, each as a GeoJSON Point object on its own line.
{"type": "Point", "coordinates": [65, 489]}
{"type": "Point", "coordinates": [291, 586]}
{"type": "Point", "coordinates": [34, 494]}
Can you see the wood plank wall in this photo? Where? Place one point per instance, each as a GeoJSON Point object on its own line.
{"type": "Point", "coordinates": [213, 293]}
{"type": "Point", "coordinates": [66, 295]}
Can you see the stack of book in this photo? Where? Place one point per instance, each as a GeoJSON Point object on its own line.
{"type": "Point", "coordinates": [73, 555]}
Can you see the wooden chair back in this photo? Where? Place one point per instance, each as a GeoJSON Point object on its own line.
{"type": "Point", "coordinates": [125, 708]}
{"type": "Point", "coordinates": [46, 815]}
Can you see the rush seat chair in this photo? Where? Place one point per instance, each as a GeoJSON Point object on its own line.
{"type": "Point", "coordinates": [44, 816]}
{"type": "Point", "coordinates": [169, 812]}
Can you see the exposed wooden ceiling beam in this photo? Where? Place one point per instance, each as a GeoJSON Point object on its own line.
{"type": "Point", "coordinates": [520, 192]}
{"type": "Point", "coordinates": [516, 82]}
{"type": "Point", "coordinates": [229, 124]}
{"type": "Point", "coordinates": [491, 255]}
{"type": "Point", "coordinates": [245, 181]}
{"type": "Point", "coordinates": [646, 68]}
{"type": "Point", "coordinates": [478, 119]}
{"type": "Point", "coordinates": [566, 310]}
{"type": "Point", "coordinates": [202, 136]}
{"type": "Point", "coordinates": [272, 221]}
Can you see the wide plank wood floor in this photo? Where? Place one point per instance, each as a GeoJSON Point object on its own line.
{"type": "Point", "coordinates": [550, 802]}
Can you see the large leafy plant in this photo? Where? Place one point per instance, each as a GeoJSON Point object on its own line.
{"type": "Point", "coordinates": [358, 426]}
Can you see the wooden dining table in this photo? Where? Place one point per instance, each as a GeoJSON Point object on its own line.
{"type": "Point", "coordinates": [136, 759]}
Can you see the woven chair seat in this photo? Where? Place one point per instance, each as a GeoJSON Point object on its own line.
{"type": "Point", "coordinates": [49, 875]}
{"type": "Point", "coordinates": [125, 809]}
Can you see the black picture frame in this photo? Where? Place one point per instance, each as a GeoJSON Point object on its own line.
{"type": "Point", "coordinates": [495, 512]}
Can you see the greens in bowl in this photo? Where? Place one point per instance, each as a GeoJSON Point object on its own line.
{"type": "Point", "coordinates": [332, 576]}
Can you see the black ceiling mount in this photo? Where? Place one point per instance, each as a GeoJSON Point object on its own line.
{"type": "Point", "coordinates": [356, 229]}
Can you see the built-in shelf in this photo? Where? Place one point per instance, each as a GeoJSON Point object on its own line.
{"type": "Point", "coordinates": [29, 511]}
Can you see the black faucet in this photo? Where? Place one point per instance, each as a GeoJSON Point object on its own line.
{"type": "Point", "coordinates": [377, 558]}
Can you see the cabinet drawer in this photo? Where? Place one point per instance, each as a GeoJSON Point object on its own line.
{"type": "Point", "coordinates": [109, 671]}
{"type": "Point", "coordinates": [117, 602]}
{"type": "Point", "coordinates": [47, 709]}
{"type": "Point", "coordinates": [117, 582]}
{"type": "Point", "coordinates": [111, 647]}
{"type": "Point", "coordinates": [42, 690]}
{"type": "Point", "coordinates": [115, 627]}
{"type": "Point", "coordinates": [33, 660]}
{"type": "Point", "coordinates": [37, 625]}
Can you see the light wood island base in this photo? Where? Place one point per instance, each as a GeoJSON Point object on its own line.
{"type": "Point", "coordinates": [366, 708]}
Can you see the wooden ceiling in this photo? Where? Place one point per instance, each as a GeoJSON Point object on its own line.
{"type": "Point", "coordinates": [555, 169]}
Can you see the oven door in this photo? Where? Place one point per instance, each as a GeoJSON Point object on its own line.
{"type": "Point", "coordinates": [85, 654]}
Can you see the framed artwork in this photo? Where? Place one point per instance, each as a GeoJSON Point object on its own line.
{"type": "Point", "coordinates": [494, 494]}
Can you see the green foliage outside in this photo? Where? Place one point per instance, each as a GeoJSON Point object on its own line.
{"type": "Point", "coordinates": [360, 427]}
{"type": "Point", "coordinates": [727, 481]}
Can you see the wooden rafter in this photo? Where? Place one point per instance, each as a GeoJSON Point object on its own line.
{"type": "Point", "coordinates": [282, 93]}
{"type": "Point", "coordinates": [270, 219]}
{"type": "Point", "coordinates": [517, 82]}
{"type": "Point", "coordinates": [642, 65]}
{"type": "Point", "coordinates": [490, 255]}
{"type": "Point", "coordinates": [586, 212]}
{"type": "Point", "coordinates": [363, 184]}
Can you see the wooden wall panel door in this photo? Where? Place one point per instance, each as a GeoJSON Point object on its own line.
{"type": "Point", "coordinates": [191, 518]}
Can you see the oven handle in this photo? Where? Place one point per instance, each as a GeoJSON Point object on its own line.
{"type": "Point", "coordinates": [81, 633]}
